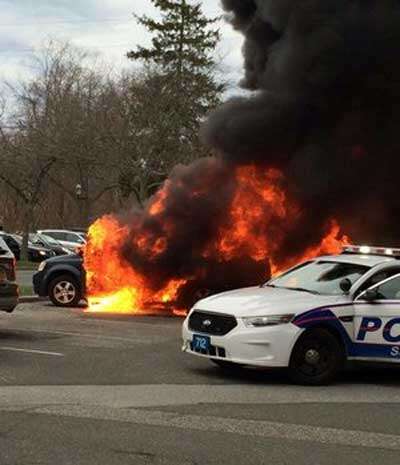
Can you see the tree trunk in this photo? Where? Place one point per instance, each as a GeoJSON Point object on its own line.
{"type": "Point", "coordinates": [86, 202]}
{"type": "Point", "coordinates": [86, 212]}
{"type": "Point", "coordinates": [62, 208]}
{"type": "Point", "coordinates": [28, 221]}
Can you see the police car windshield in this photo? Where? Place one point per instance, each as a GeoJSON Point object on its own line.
{"type": "Point", "coordinates": [320, 277]}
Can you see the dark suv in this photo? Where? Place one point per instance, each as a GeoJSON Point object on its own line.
{"type": "Point", "coordinates": [8, 287]}
{"type": "Point", "coordinates": [62, 279]}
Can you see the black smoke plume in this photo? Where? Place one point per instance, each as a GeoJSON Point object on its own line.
{"type": "Point", "coordinates": [324, 109]}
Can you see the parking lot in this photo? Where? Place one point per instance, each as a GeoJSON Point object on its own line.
{"type": "Point", "coordinates": [85, 389]}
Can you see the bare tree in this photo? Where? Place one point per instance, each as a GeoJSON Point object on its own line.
{"type": "Point", "coordinates": [24, 169]}
{"type": "Point", "coordinates": [63, 112]}
{"type": "Point", "coordinates": [82, 140]}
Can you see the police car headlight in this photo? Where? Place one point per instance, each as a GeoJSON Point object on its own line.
{"type": "Point", "coordinates": [42, 265]}
{"type": "Point", "coordinates": [270, 320]}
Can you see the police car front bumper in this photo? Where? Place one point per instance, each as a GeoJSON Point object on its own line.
{"type": "Point", "coordinates": [268, 346]}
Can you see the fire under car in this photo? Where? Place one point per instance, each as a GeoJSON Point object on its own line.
{"type": "Point", "coordinates": [312, 319]}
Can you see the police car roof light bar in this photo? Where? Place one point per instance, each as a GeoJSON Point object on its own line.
{"type": "Point", "coordinates": [368, 250]}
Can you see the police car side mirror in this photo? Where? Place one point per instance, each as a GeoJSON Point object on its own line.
{"type": "Point", "coordinates": [345, 285]}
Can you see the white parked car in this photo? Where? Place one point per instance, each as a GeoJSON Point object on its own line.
{"type": "Point", "coordinates": [69, 239]}
{"type": "Point", "coordinates": [311, 319]}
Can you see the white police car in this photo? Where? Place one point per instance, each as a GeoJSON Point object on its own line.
{"type": "Point", "coordinates": [310, 319]}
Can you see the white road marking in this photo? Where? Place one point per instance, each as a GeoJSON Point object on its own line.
{"type": "Point", "coordinates": [32, 351]}
{"type": "Point", "coordinates": [72, 333]}
{"type": "Point", "coordinates": [125, 403]}
{"type": "Point", "coordinates": [266, 429]}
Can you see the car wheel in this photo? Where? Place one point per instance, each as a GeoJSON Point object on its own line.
{"type": "Point", "coordinates": [65, 291]}
{"type": "Point", "coordinates": [316, 358]}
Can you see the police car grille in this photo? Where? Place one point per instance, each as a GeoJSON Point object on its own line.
{"type": "Point", "coordinates": [211, 323]}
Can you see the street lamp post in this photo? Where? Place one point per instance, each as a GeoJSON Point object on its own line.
{"type": "Point", "coordinates": [78, 191]}
{"type": "Point", "coordinates": [83, 199]}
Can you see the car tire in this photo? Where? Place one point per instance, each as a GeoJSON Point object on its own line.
{"type": "Point", "coordinates": [65, 291]}
{"type": "Point", "coordinates": [317, 358]}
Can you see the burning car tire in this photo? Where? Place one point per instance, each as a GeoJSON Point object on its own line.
{"type": "Point", "coordinates": [316, 359]}
{"type": "Point", "coordinates": [65, 291]}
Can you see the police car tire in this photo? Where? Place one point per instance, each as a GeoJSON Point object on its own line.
{"type": "Point", "coordinates": [333, 353]}
{"type": "Point", "coordinates": [65, 278]}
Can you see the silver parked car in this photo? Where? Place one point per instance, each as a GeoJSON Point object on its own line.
{"type": "Point", "coordinates": [69, 239]}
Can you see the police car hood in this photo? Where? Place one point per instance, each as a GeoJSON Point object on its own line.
{"type": "Point", "coordinates": [257, 301]}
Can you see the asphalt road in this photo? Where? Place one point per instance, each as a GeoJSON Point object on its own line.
{"type": "Point", "coordinates": [77, 389]}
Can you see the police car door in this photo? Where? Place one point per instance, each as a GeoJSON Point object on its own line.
{"type": "Point", "coordinates": [377, 322]}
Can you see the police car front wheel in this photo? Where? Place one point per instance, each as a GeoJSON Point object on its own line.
{"type": "Point", "coordinates": [316, 358]}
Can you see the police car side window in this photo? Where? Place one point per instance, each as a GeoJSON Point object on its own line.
{"type": "Point", "coordinates": [377, 278]}
{"type": "Point", "coordinates": [389, 290]}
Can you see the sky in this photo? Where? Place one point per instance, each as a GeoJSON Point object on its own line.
{"type": "Point", "coordinates": [105, 27]}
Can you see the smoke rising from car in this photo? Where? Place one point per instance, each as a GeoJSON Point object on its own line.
{"type": "Point", "coordinates": [314, 145]}
{"type": "Point", "coordinates": [325, 107]}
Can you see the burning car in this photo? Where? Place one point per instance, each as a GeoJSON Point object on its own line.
{"type": "Point", "coordinates": [310, 319]}
{"type": "Point", "coordinates": [167, 253]}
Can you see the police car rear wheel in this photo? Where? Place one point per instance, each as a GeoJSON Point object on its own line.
{"type": "Point", "coordinates": [316, 358]}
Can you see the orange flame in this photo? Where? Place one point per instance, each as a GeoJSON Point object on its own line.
{"type": "Point", "coordinates": [260, 203]}
{"type": "Point", "coordinates": [113, 285]}
{"type": "Point", "coordinates": [256, 193]}
{"type": "Point", "coordinates": [331, 244]}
